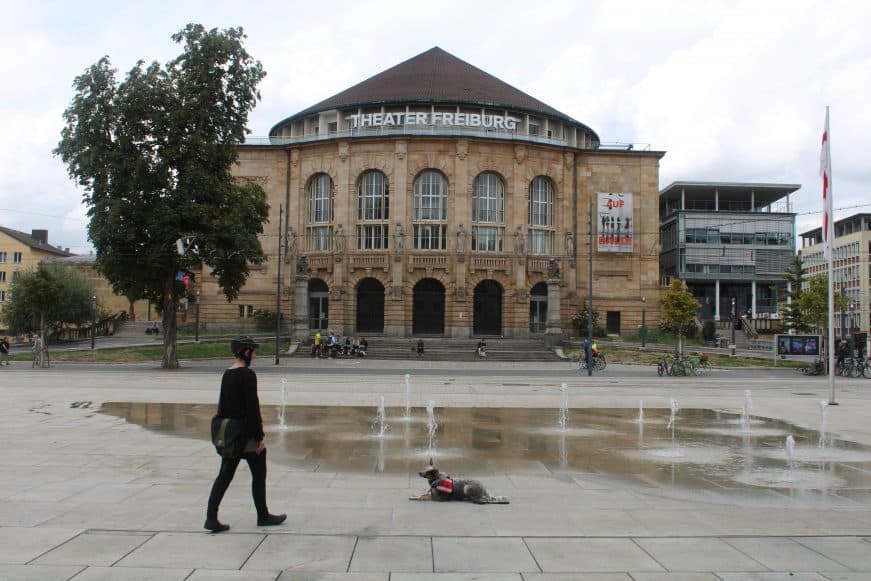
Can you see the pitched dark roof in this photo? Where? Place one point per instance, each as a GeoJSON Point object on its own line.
{"type": "Point", "coordinates": [34, 243]}
{"type": "Point", "coordinates": [434, 76]}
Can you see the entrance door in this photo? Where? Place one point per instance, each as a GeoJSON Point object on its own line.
{"type": "Point", "coordinates": [538, 308]}
{"type": "Point", "coordinates": [370, 306]}
{"type": "Point", "coordinates": [428, 311]}
{"type": "Point", "coordinates": [318, 304]}
{"type": "Point", "coordinates": [487, 308]}
{"type": "Point", "coordinates": [613, 322]}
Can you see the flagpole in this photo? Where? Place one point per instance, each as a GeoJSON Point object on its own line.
{"type": "Point", "coordinates": [828, 236]}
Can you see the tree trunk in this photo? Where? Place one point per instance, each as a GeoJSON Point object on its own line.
{"type": "Point", "coordinates": [44, 361]}
{"type": "Point", "coordinates": [170, 354]}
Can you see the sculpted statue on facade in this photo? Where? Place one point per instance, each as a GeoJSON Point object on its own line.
{"type": "Point", "coordinates": [339, 240]}
{"type": "Point", "coordinates": [302, 264]}
{"type": "Point", "coordinates": [553, 269]}
{"type": "Point", "coordinates": [570, 244]}
{"type": "Point", "coordinates": [520, 242]}
{"type": "Point", "coordinates": [461, 240]}
{"type": "Point", "coordinates": [399, 238]}
{"type": "Point", "coordinates": [290, 242]}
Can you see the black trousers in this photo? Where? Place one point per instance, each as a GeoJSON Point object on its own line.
{"type": "Point", "coordinates": [257, 465]}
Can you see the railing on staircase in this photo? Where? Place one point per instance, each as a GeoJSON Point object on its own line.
{"type": "Point", "coordinates": [748, 328]}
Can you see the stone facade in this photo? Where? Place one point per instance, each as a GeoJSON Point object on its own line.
{"type": "Point", "coordinates": [285, 173]}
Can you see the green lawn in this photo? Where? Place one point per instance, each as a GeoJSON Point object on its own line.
{"type": "Point", "coordinates": [153, 353]}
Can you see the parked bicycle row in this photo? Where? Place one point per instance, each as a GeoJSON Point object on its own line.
{"type": "Point", "coordinates": [847, 367]}
{"type": "Point", "coordinates": [682, 365]}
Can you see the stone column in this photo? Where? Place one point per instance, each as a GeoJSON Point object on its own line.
{"type": "Point", "coordinates": [300, 301]}
{"type": "Point", "coordinates": [553, 332]}
{"type": "Point", "coordinates": [752, 299]}
{"type": "Point", "coordinates": [717, 300]}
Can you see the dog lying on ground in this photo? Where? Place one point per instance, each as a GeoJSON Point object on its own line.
{"type": "Point", "coordinates": [443, 487]}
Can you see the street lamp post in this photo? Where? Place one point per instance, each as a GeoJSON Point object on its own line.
{"type": "Point", "coordinates": [852, 323]}
{"type": "Point", "coordinates": [93, 320]}
{"type": "Point", "coordinates": [843, 321]}
{"type": "Point", "coordinates": [734, 312]}
{"type": "Point", "coordinates": [197, 321]}
{"type": "Point", "coordinates": [643, 322]}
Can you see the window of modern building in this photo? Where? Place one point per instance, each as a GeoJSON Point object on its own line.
{"type": "Point", "coordinates": [488, 213]}
{"type": "Point", "coordinates": [320, 212]}
{"type": "Point", "coordinates": [430, 211]}
{"type": "Point", "coordinates": [246, 311]}
{"type": "Point", "coordinates": [2, 257]}
{"type": "Point", "coordinates": [2, 296]}
{"type": "Point", "coordinates": [2, 276]}
{"type": "Point", "coordinates": [541, 216]}
{"type": "Point", "coordinates": [373, 211]}
{"type": "Point", "coordinates": [16, 275]}
{"type": "Point", "coordinates": [16, 258]}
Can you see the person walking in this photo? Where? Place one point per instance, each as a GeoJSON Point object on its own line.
{"type": "Point", "coordinates": [419, 348]}
{"type": "Point", "coordinates": [316, 348]}
{"type": "Point", "coordinates": [238, 400]}
{"type": "Point", "coordinates": [4, 350]}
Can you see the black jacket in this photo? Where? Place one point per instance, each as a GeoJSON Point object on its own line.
{"type": "Point", "coordinates": [239, 399]}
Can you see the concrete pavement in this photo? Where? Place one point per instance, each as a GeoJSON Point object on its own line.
{"type": "Point", "coordinates": [86, 496]}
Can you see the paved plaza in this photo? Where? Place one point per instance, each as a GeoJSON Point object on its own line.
{"type": "Point", "coordinates": [87, 495]}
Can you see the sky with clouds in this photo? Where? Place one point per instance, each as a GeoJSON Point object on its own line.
{"type": "Point", "coordinates": [730, 90]}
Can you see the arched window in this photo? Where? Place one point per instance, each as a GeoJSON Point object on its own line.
{"type": "Point", "coordinates": [488, 213]}
{"type": "Point", "coordinates": [373, 211]}
{"type": "Point", "coordinates": [319, 212]}
{"type": "Point", "coordinates": [542, 219]}
{"type": "Point", "coordinates": [430, 211]}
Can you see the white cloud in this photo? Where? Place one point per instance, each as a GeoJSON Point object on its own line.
{"type": "Point", "coordinates": [731, 90]}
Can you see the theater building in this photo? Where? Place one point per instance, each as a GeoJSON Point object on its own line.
{"type": "Point", "coordinates": [435, 199]}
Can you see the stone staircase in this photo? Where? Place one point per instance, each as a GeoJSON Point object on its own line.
{"type": "Point", "coordinates": [134, 329]}
{"type": "Point", "coordinates": [447, 349]}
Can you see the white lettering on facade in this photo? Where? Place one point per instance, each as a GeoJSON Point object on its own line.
{"type": "Point", "coordinates": [505, 122]}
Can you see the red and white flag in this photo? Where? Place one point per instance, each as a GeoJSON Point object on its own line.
{"type": "Point", "coordinates": [826, 174]}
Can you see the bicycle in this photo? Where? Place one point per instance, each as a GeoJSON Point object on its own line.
{"type": "Point", "coordinates": [598, 362]}
{"type": "Point", "coordinates": [663, 367]}
{"type": "Point", "coordinates": [818, 367]}
{"type": "Point", "coordinates": [701, 364]}
{"type": "Point", "coordinates": [682, 366]}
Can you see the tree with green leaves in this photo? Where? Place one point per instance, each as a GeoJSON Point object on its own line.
{"type": "Point", "coordinates": [679, 310]}
{"type": "Point", "coordinates": [47, 299]}
{"type": "Point", "coordinates": [814, 303]}
{"type": "Point", "coordinates": [581, 319]}
{"type": "Point", "coordinates": [793, 317]}
{"type": "Point", "coordinates": [154, 155]}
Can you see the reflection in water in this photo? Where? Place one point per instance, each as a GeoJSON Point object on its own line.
{"type": "Point", "coordinates": [714, 449]}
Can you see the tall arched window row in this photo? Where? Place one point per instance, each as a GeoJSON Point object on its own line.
{"type": "Point", "coordinates": [319, 212]}
{"type": "Point", "coordinates": [542, 218]}
{"type": "Point", "coordinates": [373, 211]}
{"type": "Point", "coordinates": [430, 211]}
{"type": "Point", "coordinates": [488, 213]}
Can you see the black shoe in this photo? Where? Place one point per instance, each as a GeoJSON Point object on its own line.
{"type": "Point", "coordinates": [215, 525]}
{"type": "Point", "coordinates": [270, 520]}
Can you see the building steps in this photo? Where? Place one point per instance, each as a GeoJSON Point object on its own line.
{"type": "Point", "coordinates": [447, 349]}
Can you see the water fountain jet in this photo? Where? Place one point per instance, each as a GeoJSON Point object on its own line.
{"type": "Point", "coordinates": [824, 437]}
{"type": "Point", "coordinates": [564, 407]}
{"type": "Point", "coordinates": [282, 409]}
{"type": "Point", "coordinates": [745, 412]}
{"type": "Point", "coordinates": [407, 395]}
{"type": "Point", "coordinates": [381, 425]}
{"type": "Point", "coordinates": [431, 425]}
